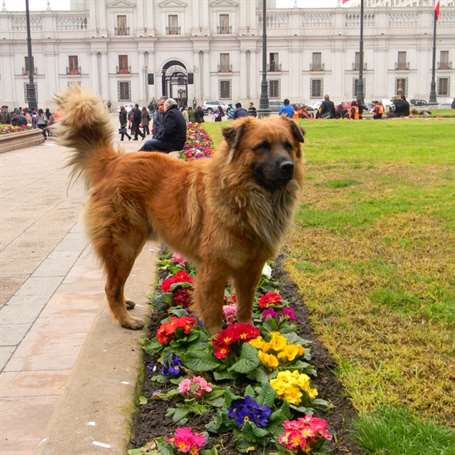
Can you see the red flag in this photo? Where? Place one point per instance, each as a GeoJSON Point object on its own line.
{"type": "Point", "coordinates": [437, 8]}
{"type": "Point", "coordinates": [345, 1]}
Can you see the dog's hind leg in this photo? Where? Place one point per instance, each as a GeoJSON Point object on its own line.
{"type": "Point", "coordinates": [118, 254]}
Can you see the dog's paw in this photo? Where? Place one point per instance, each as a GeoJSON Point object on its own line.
{"type": "Point", "coordinates": [130, 305]}
{"type": "Point", "coordinates": [132, 323]}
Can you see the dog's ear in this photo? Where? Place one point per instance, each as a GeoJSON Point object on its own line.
{"type": "Point", "coordinates": [233, 136]}
{"type": "Point", "coordinates": [297, 132]}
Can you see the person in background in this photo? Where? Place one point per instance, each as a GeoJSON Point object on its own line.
{"type": "Point", "coordinates": [199, 115]}
{"type": "Point", "coordinates": [191, 116]}
{"type": "Point", "coordinates": [239, 111]}
{"type": "Point", "coordinates": [172, 134]}
{"type": "Point", "coordinates": [137, 118]}
{"type": "Point", "coordinates": [158, 116]}
{"type": "Point", "coordinates": [42, 122]}
{"type": "Point", "coordinates": [47, 113]}
{"type": "Point", "coordinates": [34, 118]}
{"type": "Point", "coordinates": [5, 116]}
{"type": "Point", "coordinates": [145, 120]}
{"type": "Point", "coordinates": [252, 111]}
{"type": "Point", "coordinates": [406, 106]}
{"type": "Point", "coordinates": [286, 109]}
{"type": "Point", "coordinates": [378, 110]}
{"type": "Point", "coordinates": [327, 108]}
{"type": "Point", "coordinates": [355, 114]}
{"type": "Point", "coordinates": [28, 116]}
{"type": "Point", "coordinates": [453, 104]}
{"type": "Point", "coordinates": [184, 112]}
{"type": "Point", "coordinates": [123, 120]}
{"type": "Point", "coordinates": [219, 114]}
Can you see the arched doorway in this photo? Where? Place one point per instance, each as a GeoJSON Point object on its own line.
{"type": "Point", "coordinates": [175, 82]}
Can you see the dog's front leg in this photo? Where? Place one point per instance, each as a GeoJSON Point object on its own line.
{"type": "Point", "coordinates": [209, 295]}
{"type": "Point", "coordinates": [245, 281]}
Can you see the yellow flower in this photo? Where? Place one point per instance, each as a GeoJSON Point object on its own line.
{"type": "Point", "coordinates": [257, 342]}
{"type": "Point", "coordinates": [293, 395]}
{"type": "Point", "coordinates": [269, 360]}
{"type": "Point", "coordinates": [278, 342]}
{"type": "Point", "coordinates": [291, 352]}
{"type": "Point", "coordinates": [289, 386]}
{"type": "Point", "coordinates": [312, 393]}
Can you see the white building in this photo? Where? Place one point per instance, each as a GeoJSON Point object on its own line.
{"type": "Point", "coordinates": [136, 50]}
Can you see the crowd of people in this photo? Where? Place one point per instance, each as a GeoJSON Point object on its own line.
{"type": "Point", "coordinates": [24, 117]}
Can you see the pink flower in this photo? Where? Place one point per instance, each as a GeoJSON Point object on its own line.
{"type": "Point", "coordinates": [289, 313]}
{"type": "Point", "coordinates": [202, 386]}
{"type": "Point", "coordinates": [177, 258]}
{"type": "Point", "coordinates": [269, 313]}
{"type": "Point", "coordinates": [187, 441]}
{"type": "Point", "coordinates": [230, 313]}
{"type": "Point", "coordinates": [185, 386]}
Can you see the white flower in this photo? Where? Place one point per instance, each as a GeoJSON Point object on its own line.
{"type": "Point", "coordinates": [267, 271]}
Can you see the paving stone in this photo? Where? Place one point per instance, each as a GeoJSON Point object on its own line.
{"type": "Point", "coordinates": [9, 285]}
{"type": "Point", "coordinates": [22, 309]}
{"type": "Point", "coordinates": [5, 354]}
{"type": "Point", "coordinates": [39, 286]}
{"type": "Point", "coordinates": [58, 263]}
{"type": "Point", "coordinates": [12, 334]}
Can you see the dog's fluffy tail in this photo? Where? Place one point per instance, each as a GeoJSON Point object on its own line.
{"type": "Point", "coordinates": [86, 127]}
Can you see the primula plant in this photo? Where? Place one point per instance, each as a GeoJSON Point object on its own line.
{"type": "Point", "coordinates": [249, 384]}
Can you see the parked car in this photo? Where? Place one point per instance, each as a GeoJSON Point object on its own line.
{"type": "Point", "coordinates": [419, 102]}
{"type": "Point", "coordinates": [210, 107]}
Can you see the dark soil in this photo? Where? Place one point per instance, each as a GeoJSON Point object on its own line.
{"type": "Point", "coordinates": [150, 420]}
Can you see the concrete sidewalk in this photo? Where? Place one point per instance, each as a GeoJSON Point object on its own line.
{"type": "Point", "coordinates": [52, 308]}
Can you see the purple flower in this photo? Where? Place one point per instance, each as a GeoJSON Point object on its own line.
{"type": "Point", "coordinates": [172, 366]}
{"type": "Point", "coordinates": [248, 410]}
{"type": "Point", "coordinates": [289, 313]}
{"type": "Point", "coordinates": [269, 313]}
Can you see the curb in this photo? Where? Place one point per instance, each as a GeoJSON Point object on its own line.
{"type": "Point", "coordinates": [95, 413]}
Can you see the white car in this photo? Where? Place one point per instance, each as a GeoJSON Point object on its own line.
{"type": "Point", "coordinates": [211, 106]}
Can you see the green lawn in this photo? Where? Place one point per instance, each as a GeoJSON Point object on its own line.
{"type": "Point", "coordinates": [373, 253]}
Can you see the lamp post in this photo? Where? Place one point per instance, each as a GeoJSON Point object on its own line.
{"type": "Point", "coordinates": [31, 93]}
{"type": "Point", "coordinates": [264, 107]}
{"type": "Point", "coordinates": [361, 89]}
{"type": "Point", "coordinates": [433, 98]}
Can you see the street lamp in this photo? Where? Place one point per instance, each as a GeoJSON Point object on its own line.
{"type": "Point", "coordinates": [264, 107]}
{"type": "Point", "coordinates": [433, 98]}
{"type": "Point", "coordinates": [31, 93]}
{"type": "Point", "coordinates": [361, 89]}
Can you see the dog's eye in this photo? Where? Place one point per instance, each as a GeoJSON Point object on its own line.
{"type": "Point", "coordinates": [288, 146]}
{"type": "Point", "coordinates": [265, 145]}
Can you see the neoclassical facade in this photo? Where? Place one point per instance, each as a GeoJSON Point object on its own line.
{"type": "Point", "coordinates": [136, 50]}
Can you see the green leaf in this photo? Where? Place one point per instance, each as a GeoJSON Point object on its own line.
{"type": "Point", "coordinates": [135, 452]}
{"type": "Point", "coordinates": [302, 409]}
{"type": "Point", "coordinates": [296, 339]}
{"type": "Point", "coordinates": [321, 404]}
{"type": "Point", "coordinates": [249, 391]}
{"type": "Point", "coordinates": [212, 451]}
{"type": "Point", "coordinates": [267, 395]}
{"type": "Point", "coordinates": [248, 360]}
{"type": "Point", "coordinates": [252, 433]}
{"type": "Point", "coordinates": [152, 347]}
{"type": "Point", "coordinates": [165, 449]}
{"type": "Point", "coordinates": [142, 400]}
{"type": "Point", "coordinates": [200, 361]}
{"type": "Point", "coordinates": [223, 375]}
{"type": "Point", "coordinates": [260, 375]}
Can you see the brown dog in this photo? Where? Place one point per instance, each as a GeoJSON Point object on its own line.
{"type": "Point", "coordinates": [226, 214]}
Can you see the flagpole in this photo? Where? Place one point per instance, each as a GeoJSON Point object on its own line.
{"type": "Point", "coordinates": [433, 98]}
{"type": "Point", "coordinates": [361, 91]}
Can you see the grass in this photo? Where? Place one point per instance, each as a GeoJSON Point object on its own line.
{"type": "Point", "coordinates": [372, 251]}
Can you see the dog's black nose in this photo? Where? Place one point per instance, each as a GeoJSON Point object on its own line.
{"type": "Point", "coordinates": [287, 169]}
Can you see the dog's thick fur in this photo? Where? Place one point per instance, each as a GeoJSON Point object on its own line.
{"type": "Point", "coordinates": [212, 211]}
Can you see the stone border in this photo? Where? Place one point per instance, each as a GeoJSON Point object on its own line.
{"type": "Point", "coordinates": [14, 141]}
{"type": "Point", "coordinates": [96, 410]}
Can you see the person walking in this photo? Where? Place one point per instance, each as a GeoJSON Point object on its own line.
{"type": "Point", "coordinates": [137, 118]}
{"type": "Point", "coordinates": [145, 121]}
{"type": "Point", "coordinates": [172, 134]}
{"type": "Point", "coordinates": [42, 122]}
{"type": "Point", "coordinates": [286, 109]}
{"type": "Point", "coordinates": [199, 115]}
{"type": "Point", "coordinates": [252, 112]}
{"type": "Point", "coordinates": [191, 115]}
{"type": "Point", "coordinates": [123, 120]}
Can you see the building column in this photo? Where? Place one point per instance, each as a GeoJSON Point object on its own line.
{"type": "Point", "coordinates": [140, 16]}
{"type": "Point", "coordinates": [101, 17]}
{"type": "Point", "coordinates": [105, 89]}
{"type": "Point", "coordinates": [92, 25]}
{"type": "Point", "coordinates": [52, 72]}
{"type": "Point", "coordinates": [254, 75]}
{"type": "Point", "coordinates": [204, 14]}
{"type": "Point", "coordinates": [141, 69]}
{"type": "Point", "coordinates": [243, 76]}
{"type": "Point", "coordinates": [94, 73]}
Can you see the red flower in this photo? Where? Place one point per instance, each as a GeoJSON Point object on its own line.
{"type": "Point", "coordinates": [179, 277]}
{"type": "Point", "coordinates": [176, 326]}
{"type": "Point", "coordinates": [271, 298]}
{"type": "Point", "coordinates": [182, 297]}
{"type": "Point", "coordinates": [238, 332]}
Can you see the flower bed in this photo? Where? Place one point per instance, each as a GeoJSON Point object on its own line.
{"type": "Point", "coordinates": [8, 129]}
{"type": "Point", "coordinates": [198, 143]}
{"type": "Point", "coordinates": [249, 388]}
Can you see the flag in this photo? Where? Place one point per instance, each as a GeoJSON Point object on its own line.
{"type": "Point", "coordinates": [437, 8]}
{"type": "Point", "coordinates": [345, 1]}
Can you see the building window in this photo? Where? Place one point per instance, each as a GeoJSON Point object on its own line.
{"type": "Point", "coordinates": [124, 91]}
{"type": "Point", "coordinates": [121, 29]}
{"type": "Point", "coordinates": [316, 88]}
{"type": "Point", "coordinates": [225, 63]}
{"type": "Point", "coordinates": [173, 25]}
{"type": "Point", "coordinates": [274, 89]}
{"type": "Point", "coordinates": [224, 28]}
{"type": "Point", "coordinates": [443, 86]}
{"type": "Point", "coordinates": [123, 67]}
{"type": "Point", "coordinates": [274, 64]}
{"type": "Point", "coordinates": [73, 65]}
{"type": "Point", "coordinates": [355, 88]}
{"type": "Point", "coordinates": [444, 60]}
{"type": "Point", "coordinates": [401, 86]}
{"type": "Point", "coordinates": [225, 90]}
{"type": "Point", "coordinates": [402, 64]}
{"type": "Point", "coordinates": [316, 62]}
{"type": "Point", "coordinates": [27, 95]}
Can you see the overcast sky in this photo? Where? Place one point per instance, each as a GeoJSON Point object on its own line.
{"type": "Point", "coordinates": [64, 4]}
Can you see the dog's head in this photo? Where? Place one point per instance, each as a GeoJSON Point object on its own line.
{"type": "Point", "coordinates": [268, 148]}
